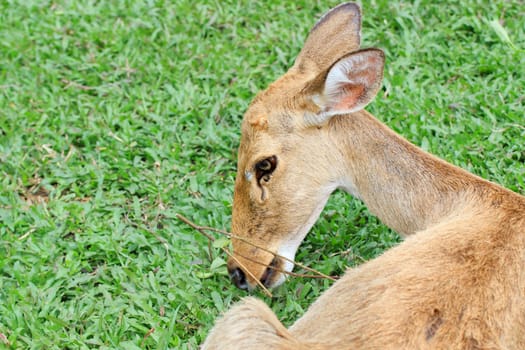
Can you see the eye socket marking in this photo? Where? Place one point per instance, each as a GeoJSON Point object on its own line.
{"type": "Point", "coordinates": [265, 168]}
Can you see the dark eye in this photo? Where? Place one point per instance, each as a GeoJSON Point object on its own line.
{"type": "Point", "coordinates": [264, 168]}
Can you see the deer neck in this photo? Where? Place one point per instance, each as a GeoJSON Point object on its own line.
{"type": "Point", "coordinates": [407, 188]}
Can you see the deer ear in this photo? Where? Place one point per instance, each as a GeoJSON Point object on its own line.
{"type": "Point", "coordinates": [337, 33]}
{"type": "Point", "coordinates": [349, 85]}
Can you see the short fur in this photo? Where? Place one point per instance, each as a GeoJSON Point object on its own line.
{"type": "Point", "coordinates": [457, 285]}
{"type": "Point", "coordinates": [456, 282]}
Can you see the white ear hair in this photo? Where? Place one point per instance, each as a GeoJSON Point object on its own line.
{"type": "Point", "coordinates": [349, 86]}
{"type": "Point", "coordinates": [343, 73]}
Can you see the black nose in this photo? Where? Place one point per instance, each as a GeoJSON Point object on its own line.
{"type": "Point", "coordinates": [238, 278]}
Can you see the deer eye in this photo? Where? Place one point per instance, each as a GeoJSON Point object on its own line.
{"type": "Point", "coordinates": [264, 168]}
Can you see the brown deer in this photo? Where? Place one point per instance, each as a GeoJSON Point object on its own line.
{"type": "Point", "coordinates": [458, 279]}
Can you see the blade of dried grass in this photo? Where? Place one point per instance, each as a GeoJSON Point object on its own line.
{"type": "Point", "coordinates": [317, 274]}
{"type": "Point", "coordinates": [211, 238]}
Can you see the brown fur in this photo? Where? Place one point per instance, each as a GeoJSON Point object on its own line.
{"type": "Point", "coordinates": [253, 317]}
{"type": "Point", "coordinates": [456, 282]}
{"type": "Point", "coordinates": [459, 284]}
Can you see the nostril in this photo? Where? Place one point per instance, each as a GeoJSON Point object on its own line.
{"type": "Point", "coordinates": [266, 276]}
{"type": "Point", "coordinates": [238, 278]}
{"type": "Point", "coordinates": [270, 272]}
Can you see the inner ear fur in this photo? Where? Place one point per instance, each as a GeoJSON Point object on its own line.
{"type": "Point", "coordinates": [354, 80]}
{"type": "Point", "coordinates": [347, 86]}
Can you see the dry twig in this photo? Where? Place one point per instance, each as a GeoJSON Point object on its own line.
{"type": "Point", "coordinates": [203, 229]}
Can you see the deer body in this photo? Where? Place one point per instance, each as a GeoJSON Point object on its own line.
{"type": "Point", "coordinates": [459, 284]}
{"type": "Point", "coordinates": [456, 282]}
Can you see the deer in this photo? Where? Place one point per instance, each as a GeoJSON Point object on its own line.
{"type": "Point", "coordinates": [457, 280]}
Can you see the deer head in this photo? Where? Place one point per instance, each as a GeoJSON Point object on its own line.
{"type": "Point", "coordinates": [288, 161]}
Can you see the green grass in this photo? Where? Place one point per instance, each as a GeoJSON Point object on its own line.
{"type": "Point", "coordinates": [116, 115]}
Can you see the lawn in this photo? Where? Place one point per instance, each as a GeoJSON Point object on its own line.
{"type": "Point", "coordinates": [117, 115]}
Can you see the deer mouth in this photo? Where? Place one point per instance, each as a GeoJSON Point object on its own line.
{"type": "Point", "coordinates": [271, 276]}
